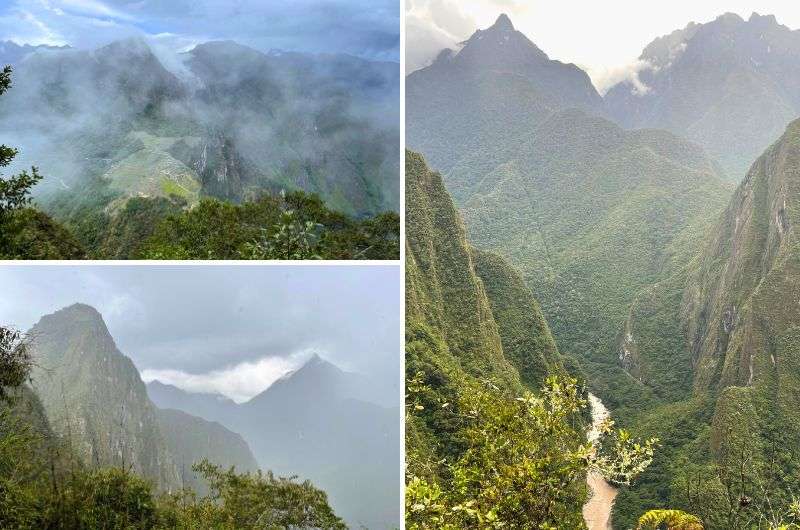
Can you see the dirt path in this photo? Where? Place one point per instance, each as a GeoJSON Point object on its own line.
{"type": "Point", "coordinates": [597, 511]}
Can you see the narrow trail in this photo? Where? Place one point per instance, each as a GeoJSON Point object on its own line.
{"type": "Point", "coordinates": [597, 510]}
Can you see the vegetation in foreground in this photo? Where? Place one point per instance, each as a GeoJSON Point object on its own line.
{"type": "Point", "coordinates": [43, 485]}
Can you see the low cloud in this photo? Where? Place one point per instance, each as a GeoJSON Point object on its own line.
{"type": "Point", "coordinates": [606, 78]}
{"type": "Point", "coordinates": [240, 382]}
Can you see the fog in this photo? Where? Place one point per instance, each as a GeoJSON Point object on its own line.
{"type": "Point", "coordinates": [232, 330]}
{"type": "Point", "coordinates": [70, 111]}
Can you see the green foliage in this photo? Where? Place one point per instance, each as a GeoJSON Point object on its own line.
{"type": "Point", "coordinates": [524, 463]}
{"type": "Point", "coordinates": [30, 234]}
{"type": "Point", "coordinates": [289, 239]}
{"type": "Point", "coordinates": [669, 519]}
{"type": "Point", "coordinates": [297, 226]}
{"type": "Point", "coordinates": [260, 501]}
{"type": "Point", "coordinates": [15, 360]}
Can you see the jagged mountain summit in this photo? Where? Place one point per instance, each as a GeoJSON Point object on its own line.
{"type": "Point", "coordinates": [495, 87]}
{"type": "Point", "coordinates": [94, 398]}
{"type": "Point", "coordinates": [321, 423]}
{"type": "Point", "coordinates": [731, 85]}
{"type": "Point", "coordinates": [221, 120]}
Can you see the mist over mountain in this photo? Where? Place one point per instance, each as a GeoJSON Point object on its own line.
{"type": "Point", "coordinates": [317, 422]}
{"type": "Point", "coordinates": [222, 120]}
{"type": "Point", "coordinates": [668, 289]}
{"type": "Point", "coordinates": [731, 85]}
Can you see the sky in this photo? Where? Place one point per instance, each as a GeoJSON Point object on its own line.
{"type": "Point", "coordinates": [227, 329]}
{"type": "Point", "coordinates": [604, 38]}
{"type": "Point", "coordinates": [365, 28]}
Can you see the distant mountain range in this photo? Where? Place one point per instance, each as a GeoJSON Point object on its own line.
{"type": "Point", "coordinates": [312, 423]}
{"type": "Point", "coordinates": [730, 85]}
{"type": "Point", "coordinates": [221, 120]}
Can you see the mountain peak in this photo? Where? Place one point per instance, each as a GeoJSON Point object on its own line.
{"type": "Point", "coordinates": [730, 18]}
{"type": "Point", "coordinates": [503, 23]}
{"type": "Point", "coordinates": [80, 309]}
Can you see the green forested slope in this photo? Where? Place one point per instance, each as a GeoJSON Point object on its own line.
{"type": "Point", "coordinates": [468, 315]}
{"type": "Point", "coordinates": [732, 329]}
{"type": "Point", "coordinates": [95, 398]}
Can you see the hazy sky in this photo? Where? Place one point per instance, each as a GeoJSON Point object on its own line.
{"type": "Point", "coordinates": [602, 37]}
{"type": "Point", "coordinates": [367, 28]}
{"type": "Point", "coordinates": [228, 329]}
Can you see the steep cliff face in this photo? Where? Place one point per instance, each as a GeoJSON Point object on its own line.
{"type": "Point", "coordinates": [443, 290]}
{"type": "Point", "coordinates": [742, 301]}
{"type": "Point", "coordinates": [469, 315]}
{"type": "Point", "coordinates": [719, 340]}
{"type": "Point", "coordinates": [94, 396]}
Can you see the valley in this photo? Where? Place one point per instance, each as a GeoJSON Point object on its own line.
{"type": "Point", "coordinates": [650, 225]}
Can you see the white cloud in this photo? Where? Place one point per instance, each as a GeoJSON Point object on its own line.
{"type": "Point", "coordinates": [604, 78]}
{"type": "Point", "coordinates": [240, 382]}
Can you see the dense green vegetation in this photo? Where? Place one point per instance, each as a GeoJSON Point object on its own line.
{"type": "Point", "coordinates": [494, 429]}
{"type": "Point", "coordinates": [45, 484]}
{"type": "Point", "coordinates": [726, 320]}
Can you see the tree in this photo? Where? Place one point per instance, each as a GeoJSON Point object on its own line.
{"type": "Point", "coordinates": [15, 361]}
{"type": "Point", "coordinates": [525, 463]}
{"type": "Point", "coordinates": [14, 191]}
{"type": "Point", "coordinates": [261, 501]}
{"type": "Point", "coordinates": [669, 519]}
{"type": "Point", "coordinates": [290, 239]}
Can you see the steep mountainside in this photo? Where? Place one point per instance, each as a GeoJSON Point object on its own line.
{"type": "Point", "coordinates": [496, 87]}
{"type": "Point", "coordinates": [733, 332]}
{"type": "Point", "coordinates": [730, 85]}
{"type": "Point", "coordinates": [227, 121]}
{"type": "Point", "coordinates": [94, 397]}
{"type": "Point", "coordinates": [193, 439]}
{"type": "Point", "coordinates": [469, 315]}
{"type": "Point", "coordinates": [316, 423]}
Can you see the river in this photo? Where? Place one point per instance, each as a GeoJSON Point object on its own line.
{"type": "Point", "coordinates": [597, 510]}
